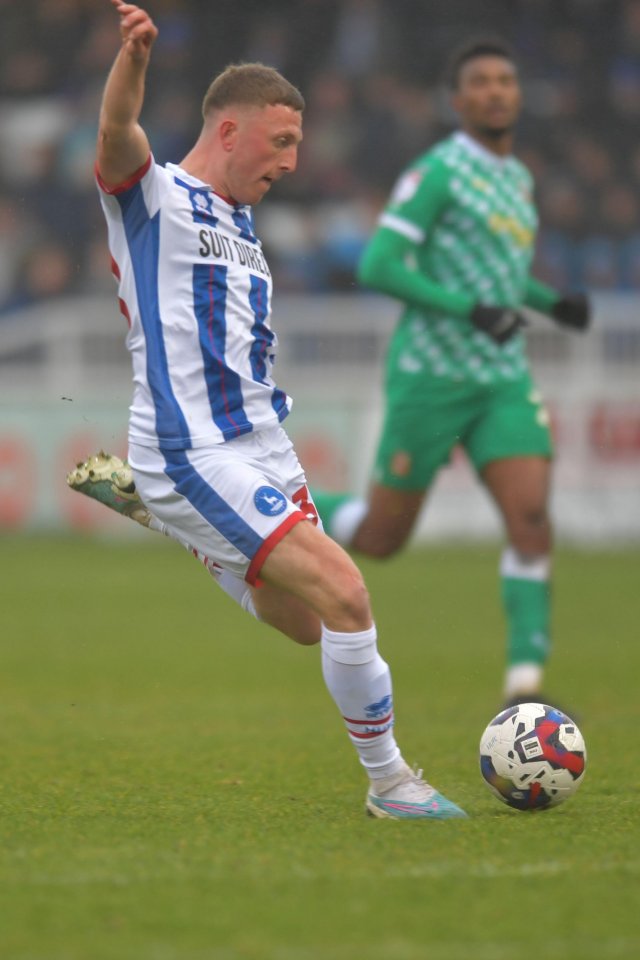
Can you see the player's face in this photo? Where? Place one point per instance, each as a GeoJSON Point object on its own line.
{"type": "Point", "coordinates": [264, 147]}
{"type": "Point", "coordinates": [488, 96]}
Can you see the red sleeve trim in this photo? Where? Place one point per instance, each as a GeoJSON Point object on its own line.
{"type": "Point", "coordinates": [130, 182]}
{"type": "Point", "coordinates": [272, 541]}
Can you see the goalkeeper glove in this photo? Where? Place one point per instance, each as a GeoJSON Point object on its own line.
{"type": "Point", "coordinates": [499, 323]}
{"type": "Point", "coordinates": [572, 311]}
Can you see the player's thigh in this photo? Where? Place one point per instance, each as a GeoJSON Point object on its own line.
{"type": "Point", "coordinates": [314, 568]}
{"type": "Point", "coordinates": [519, 485]}
{"type": "Point", "coordinates": [418, 436]}
{"type": "Point", "coordinates": [511, 449]}
{"type": "Point", "coordinates": [423, 423]}
{"type": "Point", "coordinates": [513, 423]}
{"type": "Point", "coordinates": [520, 489]}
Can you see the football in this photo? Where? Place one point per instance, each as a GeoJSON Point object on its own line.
{"type": "Point", "coordinates": [532, 756]}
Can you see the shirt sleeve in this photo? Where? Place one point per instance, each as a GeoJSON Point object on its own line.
{"type": "Point", "coordinates": [135, 177]}
{"type": "Point", "coordinates": [539, 296]}
{"type": "Point", "coordinates": [387, 265]}
{"type": "Point", "coordinates": [148, 184]}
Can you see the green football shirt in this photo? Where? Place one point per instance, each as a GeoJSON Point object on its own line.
{"type": "Point", "coordinates": [459, 230]}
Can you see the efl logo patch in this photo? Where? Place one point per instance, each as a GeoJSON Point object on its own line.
{"type": "Point", "coordinates": [406, 186]}
{"type": "Point", "coordinates": [269, 501]}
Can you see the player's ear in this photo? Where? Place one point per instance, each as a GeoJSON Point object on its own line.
{"type": "Point", "coordinates": [228, 132]}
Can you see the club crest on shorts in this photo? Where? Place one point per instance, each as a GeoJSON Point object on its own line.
{"type": "Point", "coordinates": [269, 501]}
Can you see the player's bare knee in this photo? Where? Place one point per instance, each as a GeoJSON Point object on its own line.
{"type": "Point", "coordinates": [530, 531]}
{"type": "Point", "coordinates": [382, 550]}
{"type": "Point", "coordinates": [347, 604]}
{"type": "Point", "coordinates": [357, 604]}
{"type": "Point", "coordinates": [531, 539]}
{"type": "Point", "coordinates": [378, 546]}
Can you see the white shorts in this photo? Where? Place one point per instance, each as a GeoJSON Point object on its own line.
{"type": "Point", "coordinates": [232, 502]}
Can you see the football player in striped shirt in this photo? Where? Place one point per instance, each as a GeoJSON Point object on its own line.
{"type": "Point", "coordinates": [208, 455]}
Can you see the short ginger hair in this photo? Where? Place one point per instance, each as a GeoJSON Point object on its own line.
{"type": "Point", "coordinates": [250, 84]}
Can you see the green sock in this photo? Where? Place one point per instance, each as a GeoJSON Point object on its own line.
{"type": "Point", "coordinates": [528, 607]}
{"type": "Point", "coordinates": [327, 504]}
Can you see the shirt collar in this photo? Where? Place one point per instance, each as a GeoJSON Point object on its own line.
{"type": "Point", "coordinates": [474, 147]}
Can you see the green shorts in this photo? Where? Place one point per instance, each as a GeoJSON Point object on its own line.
{"type": "Point", "coordinates": [490, 421]}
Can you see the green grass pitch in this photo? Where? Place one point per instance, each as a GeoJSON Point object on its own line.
{"type": "Point", "coordinates": [176, 783]}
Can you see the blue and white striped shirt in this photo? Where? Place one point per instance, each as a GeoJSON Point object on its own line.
{"type": "Point", "coordinates": [196, 291]}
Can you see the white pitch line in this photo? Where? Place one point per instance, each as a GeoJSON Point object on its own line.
{"type": "Point", "coordinates": [433, 870]}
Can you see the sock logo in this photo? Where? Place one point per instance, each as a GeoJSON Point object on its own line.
{"type": "Point", "coordinates": [379, 709]}
{"type": "Point", "coordinates": [540, 640]}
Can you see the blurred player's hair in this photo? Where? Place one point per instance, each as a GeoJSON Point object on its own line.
{"type": "Point", "coordinates": [484, 46]}
{"type": "Point", "coordinates": [251, 84]}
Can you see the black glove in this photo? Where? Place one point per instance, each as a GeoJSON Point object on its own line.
{"type": "Point", "coordinates": [573, 311]}
{"type": "Point", "coordinates": [499, 323]}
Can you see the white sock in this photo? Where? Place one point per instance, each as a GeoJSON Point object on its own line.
{"type": "Point", "coordinates": [522, 679]}
{"type": "Point", "coordinates": [235, 587]}
{"type": "Point", "coordinates": [346, 520]}
{"type": "Point", "coordinates": [359, 681]}
{"type": "Point", "coordinates": [513, 564]}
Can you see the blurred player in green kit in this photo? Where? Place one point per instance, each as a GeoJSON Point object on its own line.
{"type": "Point", "coordinates": [454, 245]}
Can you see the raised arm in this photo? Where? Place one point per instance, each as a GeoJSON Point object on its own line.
{"type": "Point", "coordinates": [122, 143]}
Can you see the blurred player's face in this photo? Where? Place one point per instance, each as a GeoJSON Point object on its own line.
{"type": "Point", "coordinates": [488, 96]}
{"type": "Point", "coordinates": [262, 146]}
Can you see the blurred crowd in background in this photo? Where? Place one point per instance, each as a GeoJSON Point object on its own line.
{"type": "Point", "coordinates": [372, 72]}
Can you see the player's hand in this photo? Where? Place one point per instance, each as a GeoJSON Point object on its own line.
{"type": "Point", "coordinates": [137, 29]}
{"type": "Point", "coordinates": [499, 323]}
{"type": "Point", "coordinates": [573, 311]}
